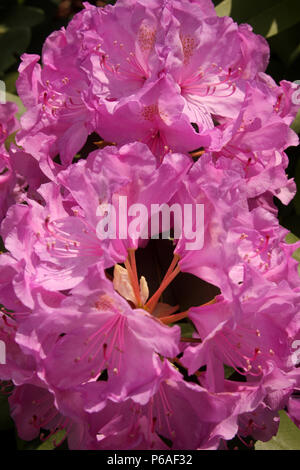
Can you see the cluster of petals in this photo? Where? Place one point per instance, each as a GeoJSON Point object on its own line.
{"type": "Point", "coordinates": [175, 108]}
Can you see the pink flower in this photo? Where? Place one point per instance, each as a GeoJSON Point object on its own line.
{"type": "Point", "coordinates": [18, 368]}
{"type": "Point", "coordinates": [19, 231]}
{"type": "Point", "coordinates": [262, 424]}
{"type": "Point", "coordinates": [209, 79]}
{"type": "Point", "coordinates": [211, 416]}
{"type": "Point", "coordinates": [156, 117]}
{"type": "Point", "coordinates": [94, 330]}
{"type": "Point", "coordinates": [258, 138]}
{"type": "Point", "coordinates": [54, 97]}
{"type": "Point", "coordinates": [7, 183]}
{"type": "Point", "coordinates": [245, 334]}
{"type": "Point", "coordinates": [221, 189]}
{"type": "Point", "coordinates": [60, 236]}
{"type": "Point", "coordinates": [34, 407]}
{"type": "Point", "coordinates": [8, 125]}
{"type": "Point", "coordinates": [127, 54]}
{"type": "Point", "coordinates": [91, 348]}
{"type": "Point", "coordinates": [260, 242]}
{"type": "Point", "coordinates": [8, 122]}
{"type": "Point", "coordinates": [211, 59]}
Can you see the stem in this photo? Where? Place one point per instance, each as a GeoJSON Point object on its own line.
{"type": "Point", "coordinates": [211, 302]}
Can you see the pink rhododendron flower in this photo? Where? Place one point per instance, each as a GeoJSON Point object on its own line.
{"type": "Point", "coordinates": [262, 424]}
{"type": "Point", "coordinates": [258, 139]}
{"type": "Point", "coordinates": [7, 183]}
{"type": "Point", "coordinates": [54, 100]}
{"type": "Point", "coordinates": [44, 414]}
{"type": "Point", "coordinates": [59, 240]}
{"type": "Point", "coordinates": [136, 109]}
{"type": "Point", "coordinates": [155, 116]}
{"type": "Point", "coordinates": [100, 331]}
{"type": "Point", "coordinates": [8, 125]}
{"type": "Point", "coordinates": [8, 121]}
{"type": "Point", "coordinates": [231, 336]}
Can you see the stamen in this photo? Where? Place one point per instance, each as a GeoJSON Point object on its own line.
{"type": "Point", "coordinates": [197, 153]}
{"type": "Point", "coordinates": [173, 264]}
{"type": "Point", "coordinates": [167, 312]}
{"type": "Point", "coordinates": [108, 341]}
{"type": "Point", "coordinates": [101, 144]}
{"type": "Point", "coordinates": [150, 305]}
{"type": "Point", "coordinates": [174, 318]}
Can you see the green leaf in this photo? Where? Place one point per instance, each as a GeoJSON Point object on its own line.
{"type": "Point", "coordinates": [187, 329]}
{"type": "Point", "coordinates": [17, 100]}
{"type": "Point", "coordinates": [15, 32]}
{"type": "Point", "coordinates": [23, 17]}
{"type": "Point", "coordinates": [296, 200]}
{"type": "Point", "coordinates": [12, 42]}
{"type": "Point", "coordinates": [267, 17]}
{"type": "Point", "coordinates": [224, 8]}
{"type": "Point", "coordinates": [296, 124]}
{"type": "Point", "coordinates": [296, 255]}
{"type": "Point", "coordinates": [286, 45]}
{"type": "Point", "coordinates": [228, 371]}
{"type": "Point", "coordinates": [51, 442]}
{"type": "Point", "coordinates": [5, 419]}
{"type": "Point", "coordinates": [11, 139]}
{"type": "Point", "coordinates": [21, 110]}
{"type": "Point", "coordinates": [287, 438]}
{"type": "Point", "coordinates": [10, 81]}
{"type": "Point", "coordinates": [241, 11]}
{"type": "Point", "coordinates": [27, 445]}
{"type": "Point", "coordinates": [279, 17]}
{"type": "Point", "coordinates": [291, 238]}
{"type": "Point", "coordinates": [294, 56]}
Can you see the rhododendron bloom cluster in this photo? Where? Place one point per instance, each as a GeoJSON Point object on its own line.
{"type": "Point", "coordinates": [175, 108]}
